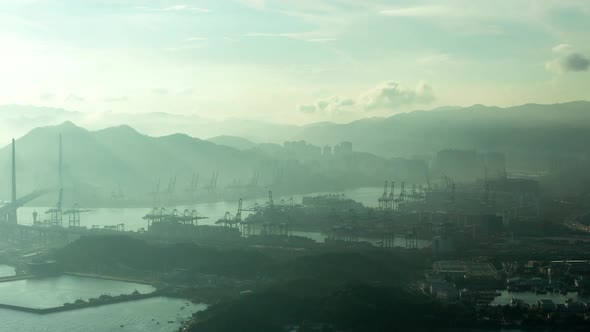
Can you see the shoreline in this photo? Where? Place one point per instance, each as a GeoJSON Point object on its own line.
{"type": "Point", "coordinates": [82, 305]}
{"type": "Point", "coordinates": [17, 278]}
{"type": "Point", "coordinates": [211, 200]}
{"type": "Point", "coordinates": [99, 276]}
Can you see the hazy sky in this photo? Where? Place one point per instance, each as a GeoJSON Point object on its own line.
{"type": "Point", "coordinates": [292, 60]}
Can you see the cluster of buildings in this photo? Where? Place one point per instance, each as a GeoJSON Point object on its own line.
{"type": "Point", "coordinates": [480, 282]}
{"type": "Point", "coordinates": [303, 150]}
{"type": "Point", "coordinates": [455, 280]}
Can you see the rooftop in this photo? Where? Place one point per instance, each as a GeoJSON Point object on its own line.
{"type": "Point", "coordinates": [477, 269]}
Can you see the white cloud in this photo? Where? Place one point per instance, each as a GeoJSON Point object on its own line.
{"type": "Point", "coordinates": [417, 11]}
{"type": "Point", "coordinates": [567, 60]}
{"type": "Point", "coordinates": [321, 40]}
{"type": "Point", "coordinates": [329, 106]}
{"type": "Point", "coordinates": [196, 39]}
{"type": "Point", "coordinates": [176, 8]}
{"type": "Point", "coordinates": [388, 96]}
{"type": "Point", "coordinates": [286, 35]}
{"type": "Point", "coordinates": [186, 92]}
{"type": "Point", "coordinates": [46, 96]}
{"type": "Point", "coordinates": [562, 48]}
{"type": "Point", "coordinates": [308, 108]}
{"type": "Point", "coordinates": [434, 59]}
{"type": "Point", "coordinates": [257, 4]}
{"type": "Point", "coordinates": [160, 91]}
{"type": "Point", "coordinates": [312, 37]}
{"type": "Point", "coordinates": [74, 98]}
{"type": "Point", "coordinates": [115, 99]}
{"type": "Point", "coordinates": [391, 94]}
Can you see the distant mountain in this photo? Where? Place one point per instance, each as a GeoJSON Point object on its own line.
{"type": "Point", "coordinates": [119, 166]}
{"type": "Point", "coordinates": [235, 142]}
{"type": "Point", "coordinates": [99, 162]}
{"type": "Point", "coordinates": [17, 120]}
{"type": "Point", "coordinates": [530, 134]}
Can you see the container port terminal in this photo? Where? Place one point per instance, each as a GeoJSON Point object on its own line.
{"type": "Point", "coordinates": [482, 237]}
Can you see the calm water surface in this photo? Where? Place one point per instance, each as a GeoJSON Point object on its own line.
{"type": "Point", "coordinates": [7, 270]}
{"type": "Point", "coordinates": [132, 217]}
{"type": "Point", "coordinates": [55, 291]}
{"type": "Point", "coordinates": [142, 315]}
{"type": "Point", "coordinates": [137, 316]}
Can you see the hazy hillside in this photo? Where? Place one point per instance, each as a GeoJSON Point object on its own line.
{"type": "Point", "coordinates": [235, 142]}
{"type": "Point", "coordinates": [530, 134]}
{"type": "Point", "coordinates": [98, 162]}
{"type": "Point", "coordinates": [120, 166]}
{"type": "Point", "coordinates": [17, 120]}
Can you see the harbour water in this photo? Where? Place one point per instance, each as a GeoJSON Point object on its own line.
{"type": "Point", "coordinates": [152, 314]}
{"type": "Point", "coordinates": [6, 271]}
{"type": "Point", "coordinates": [132, 217]}
{"type": "Point", "coordinates": [55, 291]}
{"type": "Point", "coordinates": [148, 315]}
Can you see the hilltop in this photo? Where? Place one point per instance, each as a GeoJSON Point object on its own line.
{"type": "Point", "coordinates": [99, 162]}
{"type": "Point", "coordinates": [235, 142]}
{"type": "Point", "coordinates": [530, 134]}
{"type": "Point", "coordinates": [120, 166]}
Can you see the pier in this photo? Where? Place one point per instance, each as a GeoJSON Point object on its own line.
{"type": "Point", "coordinates": [82, 304]}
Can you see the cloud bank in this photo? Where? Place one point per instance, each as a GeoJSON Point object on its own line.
{"type": "Point", "coordinates": [567, 60]}
{"type": "Point", "coordinates": [332, 105]}
{"type": "Point", "coordinates": [389, 96]}
{"type": "Point", "coordinates": [115, 99]}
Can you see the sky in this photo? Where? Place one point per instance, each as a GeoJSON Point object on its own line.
{"type": "Point", "coordinates": [292, 61]}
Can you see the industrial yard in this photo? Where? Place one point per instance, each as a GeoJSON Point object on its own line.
{"type": "Point", "coordinates": [499, 248]}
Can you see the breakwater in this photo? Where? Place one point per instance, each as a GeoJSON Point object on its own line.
{"type": "Point", "coordinates": [95, 302]}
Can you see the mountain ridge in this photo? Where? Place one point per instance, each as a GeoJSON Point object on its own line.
{"type": "Point", "coordinates": [20, 119]}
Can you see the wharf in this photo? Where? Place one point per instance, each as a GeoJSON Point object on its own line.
{"type": "Point", "coordinates": [17, 278]}
{"type": "Point", "coordinates": [99, 276]}
{"type": "Point", "coordinates": [82, 305]}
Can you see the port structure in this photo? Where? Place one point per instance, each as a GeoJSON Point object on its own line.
{"type": "Point", "coordinates": [56, 213]}
{"type": "Point", "coordinates": [212, 187]}
{"type": "Point", "coordinates": [384, 199]}
{"type": "Point", "coordinates": [41, 230]}
{"type": "Point", "coordinates": [270, 218]}
{"type": "Point", "coordinates": [8, 212]}
{"type": "Point", "coordinates": [192, 189]}
{"type": "Point", "coordinates": [74, 215]}
{"type": "Point", "coordinates": [252, 185]}
{"type": "Point", "coordinates": [162, 215]}
{"type": "Point", "coordinates": [345, 233]}
{"type": "Point", "coordinates": [229, 220]}
{"type": "Point", "coordinates": [116, 228]}
{"type": "Point", "coordinates": [389, 201]}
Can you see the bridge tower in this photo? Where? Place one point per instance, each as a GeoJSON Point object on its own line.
{"type": "Point", "coordinates": [12, 215]}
